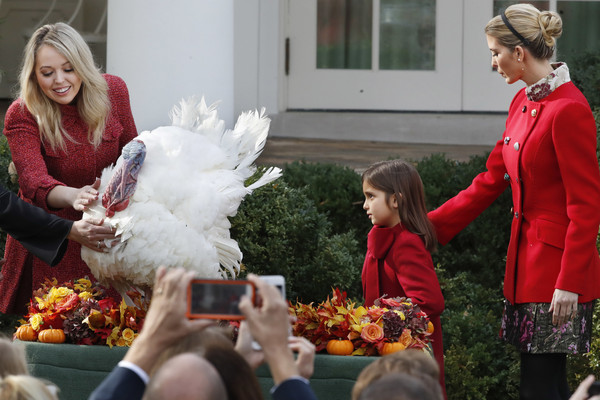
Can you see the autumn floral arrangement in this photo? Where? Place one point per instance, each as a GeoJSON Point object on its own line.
{"type": "Point", "coordinates": [340, 327]}
{"type": "Point", "coordinates": [81, 312]}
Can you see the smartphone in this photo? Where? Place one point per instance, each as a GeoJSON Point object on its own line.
{"type": "Point", "coordinates": [594, 389]}
{"type": "Point", "coordinates": [279, 282]}
{"type": "Point", "coordinates": [218, 299]}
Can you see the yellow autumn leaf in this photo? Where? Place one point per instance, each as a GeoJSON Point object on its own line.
{"type": "Point", "coordinates": [401, 314]}
{"type": "Point", "coordinates": [85, 295]}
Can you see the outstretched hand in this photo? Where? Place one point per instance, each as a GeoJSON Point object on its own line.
{"type": "Point", "coordinates": [86, 195]}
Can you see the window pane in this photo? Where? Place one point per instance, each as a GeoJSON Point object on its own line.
{"type": "Point", "coordinates": [344, 34]}
{"type": "Point", "coordinates": [407, 35]}
{"type": "Point", "coordinates": [581, 30]}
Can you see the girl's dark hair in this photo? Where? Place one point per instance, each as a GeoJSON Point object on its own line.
{"type": "Point", "coordinates": [401, 179]}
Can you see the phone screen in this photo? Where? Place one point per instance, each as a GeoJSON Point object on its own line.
{"type": "Point", "coordinates": [217, 299]}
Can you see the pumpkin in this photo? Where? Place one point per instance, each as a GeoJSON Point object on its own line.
{"type": "Point", "coordinates": [26, 333]}
{"type": "Point", "coordinates": [340, 347]}
{"type": "Point", "coordinates": [51, 336]}
{"type": "Point", "coordinates": [389, 348]}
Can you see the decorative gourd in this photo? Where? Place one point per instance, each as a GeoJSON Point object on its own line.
{"type": "Point", "coordinates": [389, 348]}
{"type": "Point", "coordinates": [51, 336]}
{"type": "Point", "coordinates": [340, 347]}
{"type": "Point", "coordinates": [26, 333]}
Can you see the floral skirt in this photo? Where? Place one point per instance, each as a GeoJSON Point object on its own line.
{"type": "Point", "coordinates": [529, 327]}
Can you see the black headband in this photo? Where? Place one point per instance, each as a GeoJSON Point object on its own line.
{"type": "Point", "coordinates": [513, 30]}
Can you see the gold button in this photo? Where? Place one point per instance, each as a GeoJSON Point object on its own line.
{"type": "Point", "coordinates": [533, 113]}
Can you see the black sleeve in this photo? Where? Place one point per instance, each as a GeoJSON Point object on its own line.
{"type": "Point", "coordinates": [43, 234]}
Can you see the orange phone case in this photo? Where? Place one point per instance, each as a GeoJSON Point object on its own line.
{"type": "Point", "coordinates": [224, 316]}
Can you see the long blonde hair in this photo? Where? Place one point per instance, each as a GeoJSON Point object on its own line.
{"type": "Point", "coordinates": [540, 28]}
{"type": "Point", "coordinates": [93, 104]}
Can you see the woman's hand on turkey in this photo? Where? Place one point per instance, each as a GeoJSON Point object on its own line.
{"type": "Point", "coordinates": [92, 233]}
{"type": "Point", "coordinates": [563, 306]}
{"type": "Point", "coordinates": [86, 196]}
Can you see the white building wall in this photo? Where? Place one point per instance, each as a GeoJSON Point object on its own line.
{"type": "Point", "coordinates": [258, 55]}
{"type": "Point", "coordinates": [168, 50]}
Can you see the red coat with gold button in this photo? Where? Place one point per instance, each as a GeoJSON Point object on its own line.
{"type": "Point", "coordinates": [548, 157]}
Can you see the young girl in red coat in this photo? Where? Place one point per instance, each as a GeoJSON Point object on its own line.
{"type": "Point", "coordinates": [398, 260]}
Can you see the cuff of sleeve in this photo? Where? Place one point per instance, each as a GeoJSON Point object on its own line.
{"type": "Point", "coordinates": [138, 371]}
{"type": "Point", "coordinates": [295, 377]}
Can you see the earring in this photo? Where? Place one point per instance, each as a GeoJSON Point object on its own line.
{"type": "Point", "coordinates": [518, 59]}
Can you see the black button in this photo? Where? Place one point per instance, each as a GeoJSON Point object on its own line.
{"type": "Point", "coordinates": [524, 108]}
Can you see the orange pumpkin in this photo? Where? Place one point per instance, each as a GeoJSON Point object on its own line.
{"type": "Point", "coordinates": [52, 336]}
{"type": "Point", "coordinates": [340, 347]}
{"type": "Point", "coordinates": [389, 348]}
{"type": "Point", "coordinates": [26, 333]}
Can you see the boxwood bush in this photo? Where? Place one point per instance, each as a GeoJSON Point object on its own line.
{"type": "Point", "coordinates": [280, 231]}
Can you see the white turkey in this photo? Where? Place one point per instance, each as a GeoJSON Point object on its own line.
{"type": "Point", "coordinates": [171, 192]}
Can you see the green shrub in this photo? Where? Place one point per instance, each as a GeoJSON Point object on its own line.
{"type": "Point", "coordinates": [585, 73]}
{"type": "Point", "coordinates": [280, 231]}
{"type": "Point", "coordinates": [337, 192]}
{"type": "Point", "coordinates": [478, 364]}
{"type": "Point", "coordinates": [5, 179]}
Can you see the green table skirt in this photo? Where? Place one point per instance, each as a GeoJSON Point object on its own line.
{"type": "Point", "coordinates": [77, 370]}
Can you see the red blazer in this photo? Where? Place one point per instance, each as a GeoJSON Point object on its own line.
{"type": "Point", "coordinates": [548, 157]}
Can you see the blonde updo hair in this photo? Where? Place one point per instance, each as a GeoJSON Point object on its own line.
{"type": "Point", "coordinates": [540, 28]}
{"type": "Point", "coordinates": [93, 104]}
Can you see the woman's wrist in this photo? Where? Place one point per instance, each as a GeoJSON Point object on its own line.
{"type": "Point", "coordinates": [61, 197]}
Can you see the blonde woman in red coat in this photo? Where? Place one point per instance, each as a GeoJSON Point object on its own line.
{"type": "Point", "coordinates": [398, 261]}
{"type": "Point", "coordinates": [68, 124]}
{"type": "Point", "coordinates": [548, 157]}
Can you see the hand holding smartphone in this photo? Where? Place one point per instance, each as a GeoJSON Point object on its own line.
{"type": "Point", "coordinates": [279, 282]}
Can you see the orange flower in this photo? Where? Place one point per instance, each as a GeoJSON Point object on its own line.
{"type": "Point", "coordinates": [429, 327]}
{"type": "Point", "coordinates": [376, 312]}
{"type": "Point", "coordinates": [372, 333]}
{"type": "Point", "coordinates": [406, 338]}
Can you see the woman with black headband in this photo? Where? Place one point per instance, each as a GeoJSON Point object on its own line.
{"type": "Point", "coordinates": [547, 155]}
